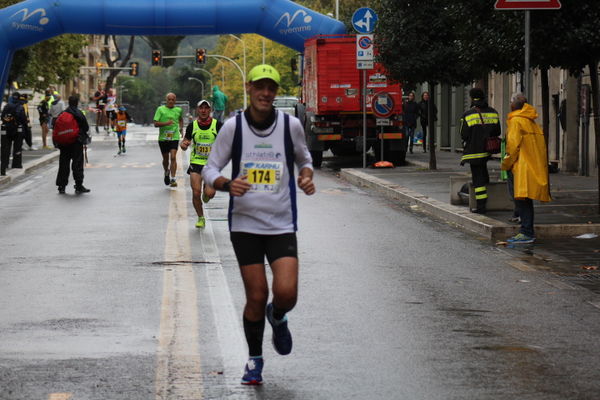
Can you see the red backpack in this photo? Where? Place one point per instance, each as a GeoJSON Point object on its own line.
{"type": "Point", "coordinates": [65, 130]}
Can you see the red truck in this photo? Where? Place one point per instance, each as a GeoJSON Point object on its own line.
{"type": "Point", "coordinates": [332, 102]}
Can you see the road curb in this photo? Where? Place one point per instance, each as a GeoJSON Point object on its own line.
{"type": "Point", "coordinates": [459, 216]}
{"type": "Point", "coordinates": [30, 166]}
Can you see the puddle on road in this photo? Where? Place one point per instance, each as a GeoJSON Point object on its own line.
{"type": "Point", "coordinates": [574, 261]}
{"type": "Point", "coordinates": [507, 348]}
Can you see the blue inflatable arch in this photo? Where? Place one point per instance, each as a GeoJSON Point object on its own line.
{"type": "Point", "coordinates": [32, 21]}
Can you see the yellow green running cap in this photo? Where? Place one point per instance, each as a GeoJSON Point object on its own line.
{"type": "Point", "coordinates": [264, 71]}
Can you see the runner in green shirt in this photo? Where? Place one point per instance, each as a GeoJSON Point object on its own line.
{"type": "Point", "coordinates": [169, 120]}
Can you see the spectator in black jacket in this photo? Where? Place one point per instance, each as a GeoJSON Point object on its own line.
{"type": "Point", "coordinates": [14, 124]}
{"type": "Point", "coordinates": [71, 156]}
{"type": "Point", "coordinates": [476, 125]}
{"type": "Point", "coordinates": [44, 113]}
{"type": "Point", "coordinates": [424, 113]}
{"type": "Point", "coordinates": [410, 111]}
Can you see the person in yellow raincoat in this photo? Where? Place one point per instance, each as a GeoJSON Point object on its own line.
{"type": "Point", "coordinates": [526, 158]}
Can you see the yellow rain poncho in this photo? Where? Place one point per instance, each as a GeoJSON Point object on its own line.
{"type": "Point", "coordinates": [526, 155]}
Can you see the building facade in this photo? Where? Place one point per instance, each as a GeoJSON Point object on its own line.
{"type": "Point", "coordinates": [571, 137]}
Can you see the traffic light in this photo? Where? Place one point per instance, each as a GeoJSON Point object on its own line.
{"type": "Point", "coordinates": [99, 65]}
{"type": "Point", "coordinates": [134, 69]}
{"type": "Point", "coordinates": [200, 56]}
{"type": "Point", "coordinates": [156, 57]}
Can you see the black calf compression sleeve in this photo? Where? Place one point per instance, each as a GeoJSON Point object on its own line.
{"type": "Point", "coordinates": [254, 331]}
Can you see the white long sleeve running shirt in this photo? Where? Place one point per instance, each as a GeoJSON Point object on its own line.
{"type": "Point", "coordinates": [269, 207]}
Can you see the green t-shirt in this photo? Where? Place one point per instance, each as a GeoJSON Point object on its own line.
{"type": "Point", "coordinates": [163, 114]}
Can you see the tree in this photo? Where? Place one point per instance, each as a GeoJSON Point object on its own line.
{"type": "Point", "coordinates": [275, 54]}
{"type": "Point", "coordinates": [417, 43]}
{"type": "Point", "coordinates": [144, 95]}
{"type": "Point", "coordinates": [575, 44]}
{"type": "Point", "coordinates": [119, 61]}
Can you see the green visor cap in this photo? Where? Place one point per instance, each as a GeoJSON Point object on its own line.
{"type": "Point", "coordinates": [264, 71]}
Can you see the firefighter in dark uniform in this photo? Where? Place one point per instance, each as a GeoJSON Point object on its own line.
{"type": "Point", "coordinates": [14, 126]}
{"type": "Point", "coordinates": [476, 125]}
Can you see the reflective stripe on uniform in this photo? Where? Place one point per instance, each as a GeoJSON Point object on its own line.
{"type": "Point", "coordinates": [488, 118]}
{"type": "Point", "coordinates": [481, 193]}
{"type": "Point", "coordinates": [474, 156]}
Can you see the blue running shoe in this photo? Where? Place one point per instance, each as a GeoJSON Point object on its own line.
{"type": "Point", "coordinates": [253, 371]}
{"type": "Point", "coordinates": [282, 338]}
{"type": "Point", "coordinates": [520, 238]}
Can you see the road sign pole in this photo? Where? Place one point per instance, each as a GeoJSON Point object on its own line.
{"type": "Point", "coordinates": [364, 79]}
{"type": "Point", "coordinates": [527, 54]}
{"type": "Point", "coordinates": [381, 139]}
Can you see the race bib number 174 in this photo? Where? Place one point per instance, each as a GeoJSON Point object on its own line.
{"type": "Point", "coordinates": [263, 176]}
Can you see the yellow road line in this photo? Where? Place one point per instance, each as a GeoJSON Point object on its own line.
{"type": "Point", "coordinates": [60, 396]}
{"type": "Point", "coordinates": [178, 373]}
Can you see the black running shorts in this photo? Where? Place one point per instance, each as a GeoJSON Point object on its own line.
{"type": "Point", "coordinates": [251, 248]}
{"type": "Point", "coordinates": [195, 168]}
{"type": "Point", "coordinates": [168, 145]}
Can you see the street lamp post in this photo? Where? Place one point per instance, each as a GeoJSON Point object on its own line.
{"type": "Point", "coordinates": [123, 91]}
{"type": "Point", "coordinates": [120, 90]}
{"type": "Point", "coordinates": [210, 76]}
{"type": "Point", "coordinates": [222, 73]}
{"type": "Point", "coordinates": [244, 47]}
{"type": "Point", "coordinates": [217, 56]}
{"type": "Point", "coordinates": [191, 78]}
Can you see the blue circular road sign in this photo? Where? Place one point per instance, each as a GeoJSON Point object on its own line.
{"type": "Point", "coordinates": [364, 20]}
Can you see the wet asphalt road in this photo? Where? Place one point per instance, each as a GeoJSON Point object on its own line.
{"type": "Point", "coordinates": [115, 295]}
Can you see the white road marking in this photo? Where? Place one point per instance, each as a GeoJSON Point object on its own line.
{"type": "Point", "coordinates": [231, 339]}
{"type": "Point", "coordinates": [21, 186]}
{"type": "Point", "coordinates": [178, 373]}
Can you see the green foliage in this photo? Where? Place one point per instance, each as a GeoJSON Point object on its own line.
{"type": "Point", "coordinates": [31, 66]}
{"type": "Point", "coordinates": [275, 54]}
{"type": "Point", "coordinates": [463, 40]}
{"type": "Point", "coordinates": [568, 38]}
{"type": "Point", "coordinates": [419, 42]}
{"type": "Point", "coordinates": [142, 96]}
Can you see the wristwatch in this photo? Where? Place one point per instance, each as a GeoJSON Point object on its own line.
{"type": "Point", "coordinates": [226, 186]}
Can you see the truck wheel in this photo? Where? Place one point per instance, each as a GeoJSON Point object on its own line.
{"type": "Point", "coordinates": [301, 113]}
{"type": "Point", "coordinates": [341, 149]}
{"type": "Point", "coordinates": [317, 157]}
{"type": "Point", "coordinates": [398, 157]}
{"type": "Point", "coordinates": [377, 151]}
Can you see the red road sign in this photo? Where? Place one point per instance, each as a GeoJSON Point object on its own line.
{"type": "Point", "coordinates": [527, 5]}
{"type": "Point", "coordinates": [382, 105]}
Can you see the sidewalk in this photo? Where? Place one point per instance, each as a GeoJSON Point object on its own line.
{"type": "Point", "coordinates": [573, 212]}
{"type": "Point", "coordinates": [32, 159]}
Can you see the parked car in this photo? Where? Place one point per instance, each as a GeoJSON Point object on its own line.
{"type": "Point", "coordinates": [286, 104]}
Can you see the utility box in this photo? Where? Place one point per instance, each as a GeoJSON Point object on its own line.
{"type": "Point", "coordinates": [498, 198]}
